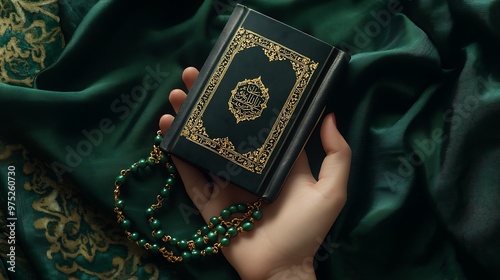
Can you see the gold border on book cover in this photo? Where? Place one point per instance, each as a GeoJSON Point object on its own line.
{"type": "Point", "coordinates": [256, 160]}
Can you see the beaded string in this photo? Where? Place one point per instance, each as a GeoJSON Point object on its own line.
{"type": "Point", "coordinates": [208, 240]}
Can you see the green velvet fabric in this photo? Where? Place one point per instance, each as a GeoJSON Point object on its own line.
{"type": "Point", "coordinates": [419, 106]}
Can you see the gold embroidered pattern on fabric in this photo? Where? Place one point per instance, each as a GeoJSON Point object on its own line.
{"type": "Point", "coordinates": [73, 237]}
{"type": "Point", "coordinates": [27, 30]}
{"type": "Point", "coordinates": [74, 230]}
{"type": "Point", "coordinates": [256, 160]}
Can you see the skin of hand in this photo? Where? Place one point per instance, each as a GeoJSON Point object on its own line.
{"type": "Point", "coordinates": [283, 244]}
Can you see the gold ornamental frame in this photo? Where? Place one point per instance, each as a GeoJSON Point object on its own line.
{"type": "Point", "coordinates": [256, 160]}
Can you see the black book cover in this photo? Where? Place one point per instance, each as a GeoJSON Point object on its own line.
{"type": "Point", "coordinates": [256, 101]}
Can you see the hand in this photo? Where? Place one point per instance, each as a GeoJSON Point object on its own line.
{"type": "Point", "coordinates": [294, 225]}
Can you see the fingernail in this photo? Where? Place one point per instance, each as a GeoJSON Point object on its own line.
{"type": "Point", "coordinates": [334, 119]}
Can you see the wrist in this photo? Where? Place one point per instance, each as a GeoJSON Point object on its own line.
{"type": "Point", "coordinates": [295, 272]}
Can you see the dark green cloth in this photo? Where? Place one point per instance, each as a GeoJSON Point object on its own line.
{"type": "Point", "coordinates": [419, 106]}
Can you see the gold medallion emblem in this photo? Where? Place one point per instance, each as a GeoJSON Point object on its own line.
{"type": "Point", "coordinates": [248, 99]}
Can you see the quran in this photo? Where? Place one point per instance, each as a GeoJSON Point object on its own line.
{"type": "Point", "coordinates": [256, 101]}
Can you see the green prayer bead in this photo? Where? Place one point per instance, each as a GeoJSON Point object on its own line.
{"type": "Point", "coordinates": [134, 236]}
{"type": "Point", "coordinates": [186, 256]}
{"type": "Point", "coordinates": [142, 163]}
{"type": "Point", "coordinates": [212, 236]}
{"type": "Point", "coordinates": [134, 168]}
{"type": "Point", "coordinates": [171, 168]}
{"type": "Point", "coordinates": [220, 229]}
{"type": "Point", "coordinates": [242, 208]}
{"type": "Point", "coordinates": [182, 244]}
{"type": "Point", "coordinates": [247, 226]}
{"type": "Point", "coordinates": [226, 213]}
{"type": "Point", "coordinates": [120, 204]}
{"type": "Point", "coordinates": [150, 212]}
{"type": "Point", "coordinates": [159, 234]}
{"type": "Point", "coordinates": [154, 248]}
{"type": "Point", "coordinates": [142, 242]}
{"type": "Point", "coordinates": [173, 240]}
{"type": "Point", "coordinates": [126, 224]}
{"type": "Point", "coordinates": [205, 230]}
{"type": "Point", "coordinates": [198, 242]}
{"type": "Point", "coordinates": [224, 241]}
{"type": "Point", "coordinates": [232, 231]}
{"type": "Point", "coordinates": [233, 208]}
{"type": "Point", "coordinates": [155, 224]}
{"type": "Point", "coordinates": [257, 215]}
{"type": "Point", "coordinates": [120, 180]}
{"type": "Point", "coordinates": [165, 192]}
{"type": "Point", "coordinates": [170, 182]}
{"type": "Point", "coordinates": [214, 220]}
{"type": "Point", "coordinates": [195, 254]}
{"type": "Point", "coordinates": [209, 250]}
{"type": "Point", "coordinates": [158, 139]}
{"type": "Point", "coordinates": [150, 162]}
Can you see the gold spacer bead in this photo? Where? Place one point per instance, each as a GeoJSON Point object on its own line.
{"type": "Point", "coordinates": [166, 238]}
{"type": "Point", "coordinates": [191, 245]}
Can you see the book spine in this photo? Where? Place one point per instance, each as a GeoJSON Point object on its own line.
{"type": "Point", "coordinates": [173, 133]}
{"type": "Point", "coordinates": [308, 119]}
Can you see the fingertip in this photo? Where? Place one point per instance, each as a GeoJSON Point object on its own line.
{"type": "Point", "coordinates": [331, 138]}
{"type": "Point", "coordinates": [190, 69]}
{"type": "Point", "coordinates": [189, 75]}
{"type": "Point", "coordinates": [334, 172]}
{"type": "Point", "coordinates": [332, 119]}
{"type": "Point", "coordinates": [165, 122]}
{"type": "Point", "coordinates": [176, 98]}
{"type": "Point", "coordinates": [329, 125]}
{"type": "Point", "coordinates": [176, 94]}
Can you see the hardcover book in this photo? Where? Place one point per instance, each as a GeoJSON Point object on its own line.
{"type": "Point", "coordinates": [256, 101]}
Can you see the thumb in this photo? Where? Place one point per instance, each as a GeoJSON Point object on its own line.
{"type": "Point", "coordinates": [334, 172]}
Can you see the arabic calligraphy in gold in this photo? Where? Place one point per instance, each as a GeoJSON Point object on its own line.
{"type": "Point", "coordinates": [248, 99]}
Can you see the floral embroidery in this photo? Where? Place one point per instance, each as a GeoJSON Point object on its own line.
{"type": "Point", "coordinates": [76, 235]}
{"type": "Point", "coordinates": [75, 231]}
{"type": "Point", "coordinates": [27, 30]}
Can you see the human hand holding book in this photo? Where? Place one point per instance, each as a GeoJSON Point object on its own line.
{"type": "Point", "coordinates": [287, 236]}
